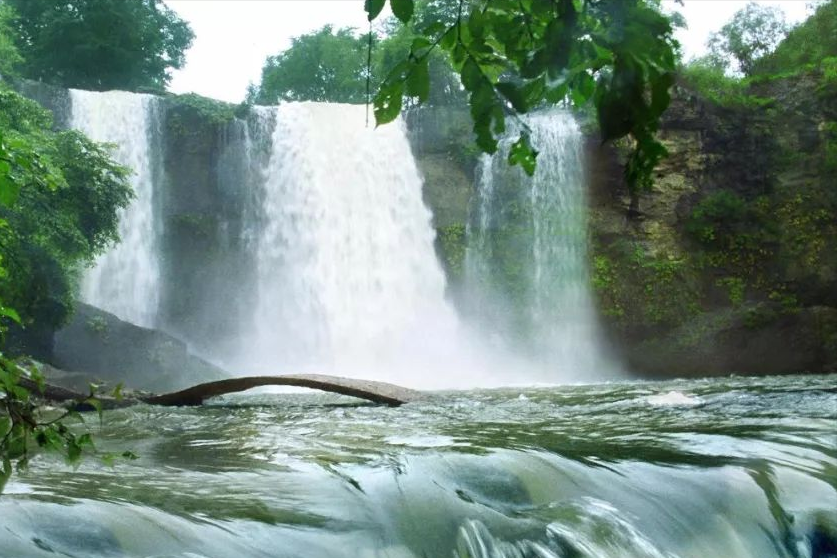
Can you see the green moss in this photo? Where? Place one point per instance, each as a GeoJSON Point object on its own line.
{"type": "Point", "coordinates": [638, 287]}
{"type": "Point", "coordinates": [452, 244]}
{"type": "Point", "coordinates": [197, 226]}
{"type": "Point", "coordinates": [98, 325]}
{"type": "Point", "coordinates": [213, 111]}
{"type": "Point", "coordinates": [735, 287]}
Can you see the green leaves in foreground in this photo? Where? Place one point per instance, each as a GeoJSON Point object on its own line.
{"type": "Point", "coordinates": [514, 57]}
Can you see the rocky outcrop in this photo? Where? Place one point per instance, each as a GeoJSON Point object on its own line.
{"type": "Point", "coordinates": [732, 264]}
{"type": "Point", "coordinates": [99, 347]}
{"type": "Point", "coordinates": [442, 144]}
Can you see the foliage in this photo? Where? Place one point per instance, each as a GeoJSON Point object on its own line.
{"type": "Point", "coordinates": [636, 286]}
{"type": "Point", "coordinates": [333, 65]}
{"type": "Point", "coordinates": [736, 234]}
{"type": "Point", "coordinates": [100, 44]}
{"type": "Point", "coordinates": [807, 44]}
{"type": "Point", "coordinates": [21, 422]}
{"type": "Point", "coordinates": [452, 243]}
{"type": "Point", "coordinates": [752, 33]}
{"type": "Point", "coordinates": [9, 56]}
{"type": "Point", "coordinates": [325, 65]}
{"type": "Point", "coordinates": [61, 195]}
{"type": "Point", "coordinates": [213, 111]}
{"type": "Point", "coordinates": [513, 57]}
{"type": "Point", "coordinates": [709, 80]}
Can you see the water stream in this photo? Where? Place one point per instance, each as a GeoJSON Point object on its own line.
{"type": "Point", "coordinates": [125, 280]}
{"type": "Point", "coordinates": [527, 281]}
{"type": "Point", "coordinates": [723, 468]}
{"type": "Point", "coordinates": [348, 281]}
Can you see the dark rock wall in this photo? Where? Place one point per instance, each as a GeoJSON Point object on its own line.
{"type": "Point", "coordinates": [208, 209]}
{"type": "Point", "coordinates": [101, 347]}
{"type": "Point", "coordinates": [732, 265]}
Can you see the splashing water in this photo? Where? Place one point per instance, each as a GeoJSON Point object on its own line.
{"type": "Point", "coordinates": [125, 280]}
{"type": "Point", "coordinates": [527, 278]}
{"type": "Point", "coordinates": [572, 472]}
{"type": "Point", "coordinates": [348, 281]}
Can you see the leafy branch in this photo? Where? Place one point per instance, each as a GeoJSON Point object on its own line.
{"type": "Point", "coordinates": [520, 55]}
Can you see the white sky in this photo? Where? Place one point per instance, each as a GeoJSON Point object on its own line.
{"type": "Point", "coordinates": [233, 37]}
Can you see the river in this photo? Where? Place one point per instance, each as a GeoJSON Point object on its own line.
{"type": "Point", "coordinates": [731, 467]}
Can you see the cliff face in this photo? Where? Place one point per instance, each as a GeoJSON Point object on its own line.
{"type": "Point", "coordinates": [732, 266]}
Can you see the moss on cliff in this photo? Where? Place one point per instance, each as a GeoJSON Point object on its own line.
{"type": "Point", "coordinates": [738, 232]}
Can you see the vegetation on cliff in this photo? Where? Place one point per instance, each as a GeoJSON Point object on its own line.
{"type": "Point", "coordinates": [741, 223]}
{"type": "Point", "coordinates": [60, 194]}
{"type": "Point", "coordinates": [617, 56]}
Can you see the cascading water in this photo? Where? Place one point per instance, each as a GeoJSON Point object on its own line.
{"type": "Point", "coordinates": [125, 280]}
{"type": "Point", "coordinates": [526, 259]}
{"type": "Point", "coordinates": [348, 280]}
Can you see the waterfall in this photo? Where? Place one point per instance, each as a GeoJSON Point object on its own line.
{"type": "Point", "coordinates": [348, 281]}
{"type": "Point", "coordinates": [125, 280]}
{"type": "Point", "coordinates": [526, 269]}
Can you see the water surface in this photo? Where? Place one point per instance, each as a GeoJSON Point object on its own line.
{"type": "Point", "coordinates": [713, 468]}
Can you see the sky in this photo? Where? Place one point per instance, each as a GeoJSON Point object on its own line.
{"type": "Point", "coordinates": [233, 37]}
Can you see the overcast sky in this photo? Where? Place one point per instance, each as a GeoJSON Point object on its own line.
{"type": "Point", "coordinates": [233, 37]}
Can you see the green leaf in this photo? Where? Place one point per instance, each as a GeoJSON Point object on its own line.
{"type": "Point", "coordinates": [514, 95]}
{"type": "Point", "coordinates": [522, 153]}
{"type": "Point", "coordinates": [96, 404]}
{"type": "Point", "coordinates": [471, 74]}
{"type": "Point", "coordinates": [373, 8]}
{"type": "Point", "coordinates": [387, 103]}
{"type": "Point", "coordinates": [419, 44]}
{"type": "Point", "coordinates": [10, 313]}
{"type": "Point", "coordinates": [418, 81]}
{"type": "Point", "coordinates": [402, 9]}
{"type": "Point", "coordinates": [9, 190]}
{"type": "Point", "coordinates": [449, 38]}
{"type": "Point", "coordinates": [476, 22]}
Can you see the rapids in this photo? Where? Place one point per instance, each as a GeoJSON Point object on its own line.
{"type": "Point", "coordinates": [720, 468]}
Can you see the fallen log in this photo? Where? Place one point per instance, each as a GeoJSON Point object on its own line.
{"type": "Point", "coordinates": [377, 392]}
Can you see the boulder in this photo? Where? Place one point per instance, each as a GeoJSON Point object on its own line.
{"type": "Point", "coordinates": [98, 346]}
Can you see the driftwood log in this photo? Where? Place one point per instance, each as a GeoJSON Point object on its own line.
{"type": "Point", "coordinates": [377, 392]}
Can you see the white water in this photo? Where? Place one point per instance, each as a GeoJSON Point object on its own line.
{"type": "Point", "coordinates": [538, 225]}
{"type": "Point", "coordinates": [348, 281]}
{"type": "Point", "coordinates": [125, 280]}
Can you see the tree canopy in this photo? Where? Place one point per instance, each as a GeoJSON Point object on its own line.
{"type": "Point", "coordinates": [752, 33]}
{"type": "Point", "coordinates": [330, 65]}
{"type": "Point", "coordinates": [811, 42]}
{"type": "Point", "coordinates": [326, 65]}
{"type": "Point", "coordinates": [9, 55]}
{"type": "Point", "coordinates": [100, 44]}
{"type": "Point", "coordinates": [60, 193]}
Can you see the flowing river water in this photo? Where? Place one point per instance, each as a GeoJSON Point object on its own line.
{"type": "Point", "coordinates": [727, 468]}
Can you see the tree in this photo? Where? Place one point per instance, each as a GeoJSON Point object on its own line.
{"type": "Point", "coordinates": [61, 195]}
{"type": "Point", "coordinates": [325, 65]}
{"type": "Point", "coordinates": [517, 56]}
{"type": "Point", "coordinates": [9, 55]}
{"type": "Point", "coordinates": [330, 65]}
{"type": "Point", "coordinates": [811, 42]}
{"type": "Point", "coordinates": [752, 33]}
{"type": "Point", "coordinates": [100, 44]}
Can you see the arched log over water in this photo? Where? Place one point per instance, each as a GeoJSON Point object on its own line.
{"type": "Point", "coordinates": [377, 392]}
